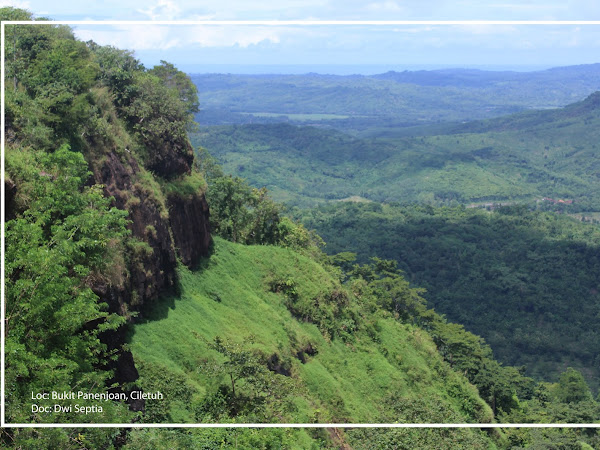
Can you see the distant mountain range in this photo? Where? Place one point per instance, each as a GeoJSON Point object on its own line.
{"type": "Point", "coordinates": [389, 100]}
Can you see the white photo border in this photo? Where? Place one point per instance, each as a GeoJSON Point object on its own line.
{"type": "Point", "coordinates": [3, 423]}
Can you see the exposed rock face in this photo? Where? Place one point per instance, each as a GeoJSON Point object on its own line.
{"type": "Point", "coordinates": [10, 191]}
{"type": "Point", "coordinates": [152, 273]}
{"type": "Point", "coordinates": [152, 266]}
{"type": "Point", "coordinates": [172, 158]}
{"type": "Point", "coordinates": [188, 218]}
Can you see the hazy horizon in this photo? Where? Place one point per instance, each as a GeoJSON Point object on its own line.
{"type": "Point", "coordinates": [352, 69]}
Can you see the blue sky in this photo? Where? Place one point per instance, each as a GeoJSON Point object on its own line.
{"type": "Point", "coordinates": [196, 48]}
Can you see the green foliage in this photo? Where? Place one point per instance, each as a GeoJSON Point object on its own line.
{"type": "Point", "coordinates": [294, 235]}
{"type": "Point", "coordinates": [324, 369]}
{"type": "Point", "coordinates": [572, 388]}
{"type": "Point", "coordinates": [117, 70]}
{"type": "Point", "coordinates": [298, 164]}
{"type": "Point", "coordinates": [465, 352]}
{"type": "Point", "coordinates": [175, 79]}
{"type": "Point", "coordinates": [49, 74]}
{"type": "Point", "coordinates": [392, 291]}
{"type": "Point", "coordinates": [66, 64]}
{"type": "Point", "coordinates": [64, 238]}
{"type": "Point", "coordinates": [524, 280]}
{"type": "Point", "coordinates": [55, 82]}
{"type": "Point", "coordinates": [512, 396]}
{"type": "Point", "coordinates": [424, 438]}
{"type": "Point", "coordinates": [186, 186]}
{"type": "Point", "coordinates": [55, 249]}
{"type": "Point", "coordinates": [241, 213]}
{"type": "Point", "coordinates": [240, 365]}
{"type": "Point", "coordinates": [567, 401]}
{"type": "Point", "coordinates": [247, 370]}
{"type": "Point", "coordinates": [218, 438]}
{"type": "Point", "coordinates": [155, 112]}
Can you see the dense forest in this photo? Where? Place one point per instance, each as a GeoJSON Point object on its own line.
{"type": "Point", "coordinates": [527, 281]}
{"type": "Point", "coordinates": [155, 287]}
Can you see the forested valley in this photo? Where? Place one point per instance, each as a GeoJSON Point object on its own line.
{"type": "Point", "coordinates": [150, 276]}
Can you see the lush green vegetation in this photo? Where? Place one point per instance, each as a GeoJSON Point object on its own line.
{"type": "Point", "coordinates": [62, 235]}
{"type": "Point", "coordinates": [298, 165]}
{"type": "Point", "coordinates": [66, 237]}
{"type": "Point", "coordinates": [69, 106]}
{"type": "Point", "coordinates": [287, 337]}
{"type": "Point", "coordinates": [267, 328]}
{"type": "Point", "coordinates": [262, 333]}
{"type": "Point", "coordinates": [526, 281]}
{"type": "Point", "coordinates": [523, 157]}
{"type": "Point", "coordinates": [256, 307]}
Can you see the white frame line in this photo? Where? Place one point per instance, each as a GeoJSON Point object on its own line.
{"type": "Point", "coordinates": [302, 425]}
{"type": "Point", "coordinates": [3, 424]}
{"type": "Point", "coordinates": [303, 22]}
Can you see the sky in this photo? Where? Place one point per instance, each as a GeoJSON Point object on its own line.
{"type": "Point", "coordinates": [336, 48]}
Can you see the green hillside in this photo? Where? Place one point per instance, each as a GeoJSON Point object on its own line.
{"type": "Point", "coordinates": [523, 157]}
{"type": "Point", "coordinates": [345, 364]}
{"type": "Point", "coordinates": [265, 334]}
{"type": "Point", "coordinates": [144, 285]}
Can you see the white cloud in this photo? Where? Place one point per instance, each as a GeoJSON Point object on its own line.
{"type": "Point", "coordinates": [214, 36]}
{"type": "Point", "coordinates": [23, 4]}
{"type": "Point", "coordinates": [499, 30]}
{"type": "Point", "coordinates": [165, 37]}
{"type": "Point", "coordinates": [338, 44]}
{"type": "Point", "coordinates": [134, 37]}
{"type": "Point", "coordinates": [414, 29]}
{"type": "Point", "coordinates": [162, 10]}
{"type": "Point", "coordinates": [529, 6]}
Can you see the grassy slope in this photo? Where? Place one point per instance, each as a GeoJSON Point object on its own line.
{"type": "Point", "coordinates": [363, 379]}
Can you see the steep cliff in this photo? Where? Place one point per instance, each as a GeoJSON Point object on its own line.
{"type": "Point", "coordinates": [102, 202]}
{"type": "Point", "coordinates": [152, 176]}
{"type": "Point", "coordinates": [163, 227]}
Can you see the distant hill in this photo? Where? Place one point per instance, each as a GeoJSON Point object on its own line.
{"type": "Point", "coordinates": [520, 157]}
{"type": "Point", "coordinates": [389, 100]}
{"type": "Point", "coordinates": [587, 109]}
{"type": "Point", "coordinates": [574, 75]}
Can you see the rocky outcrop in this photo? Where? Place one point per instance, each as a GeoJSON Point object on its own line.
{"type": "Point", "coordinates": [188, 217]}
{"type": "Point", "coordinates": [172, 158]}
{"type": "Point", "coordinates": [152, 261]}
{"type": "Point", "coordinates": [162, 228]}
{"type": "Point", "coordinates": [10, 191]}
